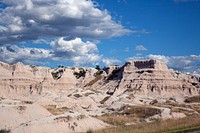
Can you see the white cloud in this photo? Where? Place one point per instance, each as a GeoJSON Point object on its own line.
{"type": "Point", "coordinates": [140, 48]}
{"type": "Point", "coordinates": [185, 64]}
{"type": "Point", "coordinates": [78, 52]}
{"type": "Point", "coordinates": [110, 61]}
{"type": "Point", "coordinates": [81, 53]}
{"type": "Point", "coordinates": [162, 58]}
{"type": "Point", "coordinates": [182, 63]}
{"type": "Point", "coordinates": [26, 20]}
{"type": "Point", "coordinates": [14, 53]}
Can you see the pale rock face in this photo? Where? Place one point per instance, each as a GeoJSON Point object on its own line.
{"type": "Point", "coordinates": [150, 78]}
{"type": "Point", "coordinates": [77, 94]}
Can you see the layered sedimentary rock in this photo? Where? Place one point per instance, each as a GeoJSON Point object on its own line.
{"type": "Point", "coordinates": [145, 77]}
{"type": "Point", "coordinates": [66, 99]}
{"type": "Point", "coordinates": [23, 79]}
{"type": "Point", "coordinates": [150, 78]}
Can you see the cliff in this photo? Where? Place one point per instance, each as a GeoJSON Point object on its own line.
{"type": "Point", "coordinates": [149, 78]}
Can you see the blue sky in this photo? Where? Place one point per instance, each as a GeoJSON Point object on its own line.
{"type": "Point", "coordinates": [174, 27]}
{"type": "Point", "coordinates": [86, 33]}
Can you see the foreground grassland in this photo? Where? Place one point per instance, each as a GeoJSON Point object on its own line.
{"type": "Point", "coordinates": [187, 124]}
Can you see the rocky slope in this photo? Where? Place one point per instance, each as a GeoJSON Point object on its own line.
{"type": "Point", "coordinates": [72, 99]}
{"type": "Point", "coordinates": [151, 79]}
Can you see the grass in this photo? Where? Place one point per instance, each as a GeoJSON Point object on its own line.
{"type": "Point", "coordinates": [117, 120]}
{"type": "Point", "coordinates": [129, 114]}
{"type": "Point", "coordinates": [186, 124]}
{"type": "Point", "coordinates": [183, 108]}
{"type": "Point", "coordinates": [54, 110]}
{"type": "Point", "coordinates": [89, 131]}
{"type": "Point", "coordinates": [4, 131]}
{"type": "Point", "coordinates": [139, 111]}
{"type": "Point", "coordinates": [194, 99]}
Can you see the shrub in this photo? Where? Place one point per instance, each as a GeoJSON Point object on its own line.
{"type": "Point", "coordinates": [90, 131]}
{"type": "Point", "coordinates": [98, 67]}
{"type": "Point", "coordinates": [4, 131]}
{"type": "Point", "coordinates": [192, 99]}
{"type": "Point", "coordinates": [58, 74]}
{"type": "Point", "coordinates": [79, 74]}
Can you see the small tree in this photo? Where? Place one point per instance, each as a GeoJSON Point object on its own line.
{"type": "Point", "coordinates": [98, 67]}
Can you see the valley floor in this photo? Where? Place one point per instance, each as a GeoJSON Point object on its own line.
{"type": "Point", "coordinates": [183, 125]}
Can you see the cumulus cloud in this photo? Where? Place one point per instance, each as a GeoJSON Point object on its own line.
{"type": "Point", "coordinates": [24, 20]}
{"type": "Point", "coordinates": [12, 54]}
{"type": "Point", "coordinates": [81, 53]}
{"type": "Point", "coordinates": [184, 64]}
{"type": "Point", "coordinates": [181, 63]}
{"type": "Point", "coordinates": [77, 51]}
{"type": "Point", "coordinates": [140, 48]}
{"type": "Point", "coordinates": [110, 61]}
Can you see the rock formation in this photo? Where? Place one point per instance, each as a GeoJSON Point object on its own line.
{"type": "Point", "coordinates": [64, 99]}
{"type": "Point", "coordinates": [152, 78]}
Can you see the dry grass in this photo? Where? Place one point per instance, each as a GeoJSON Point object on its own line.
{"type": "Point", "coordinates": [176, 126]}
{"type": "Point", "coordinates": [54, 110]}
{"type": "Point", "coordinates": [194, 99]}
{"type": "Point", "coordinates": [139, 111]}
{"type": "Point", "coordinates": [129, 114]}
{"type": "Point", "coordinates": [196, 108]}
{"type": "Point", "coordinates": [117, 120]}
{"type": "Point", "coordinates": [183, 110]}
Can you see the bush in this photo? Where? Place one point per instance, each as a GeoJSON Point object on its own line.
{"type": "Point", "coordinates": [81, 73]}
{"type": "Point", "coordinates": [194, 99]}
{"type": "Point", "coordinates": [4, 131]}
{"type": "Point", "coordinates": [98, 67]}
{"type": "Point", "coordinates": [90, 131]}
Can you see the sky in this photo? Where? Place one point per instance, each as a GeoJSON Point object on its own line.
{"type": "Point", "coordinates": [87, 33]}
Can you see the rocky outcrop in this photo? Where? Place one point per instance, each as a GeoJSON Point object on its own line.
{"type": "Point", "coordinates": [145, 77]}
{"type": "Point", "coordinates": [25, 80]}
{"type": "Point", "coordinates": [73, 99]}
{"type": "Point", "coordinates": [150, 78]}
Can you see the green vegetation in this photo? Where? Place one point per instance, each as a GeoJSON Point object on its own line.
{"type": "Point", "coordinates": [129, 114]}
{"type": "Point", "coordinates": [57, 74]}
{"type": "Point", "coordinates": [90, 131]}
{"type": "Point", "coordinates": [80, 74]}
{"type": "Point", "coordinates": [187, 124]}
{"type": "Point", "coordinates": [98, 67]}
{"type": "Point", "coordinates": [194, 99]}
{"type": "Point", "coordinates": [4, 131]}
